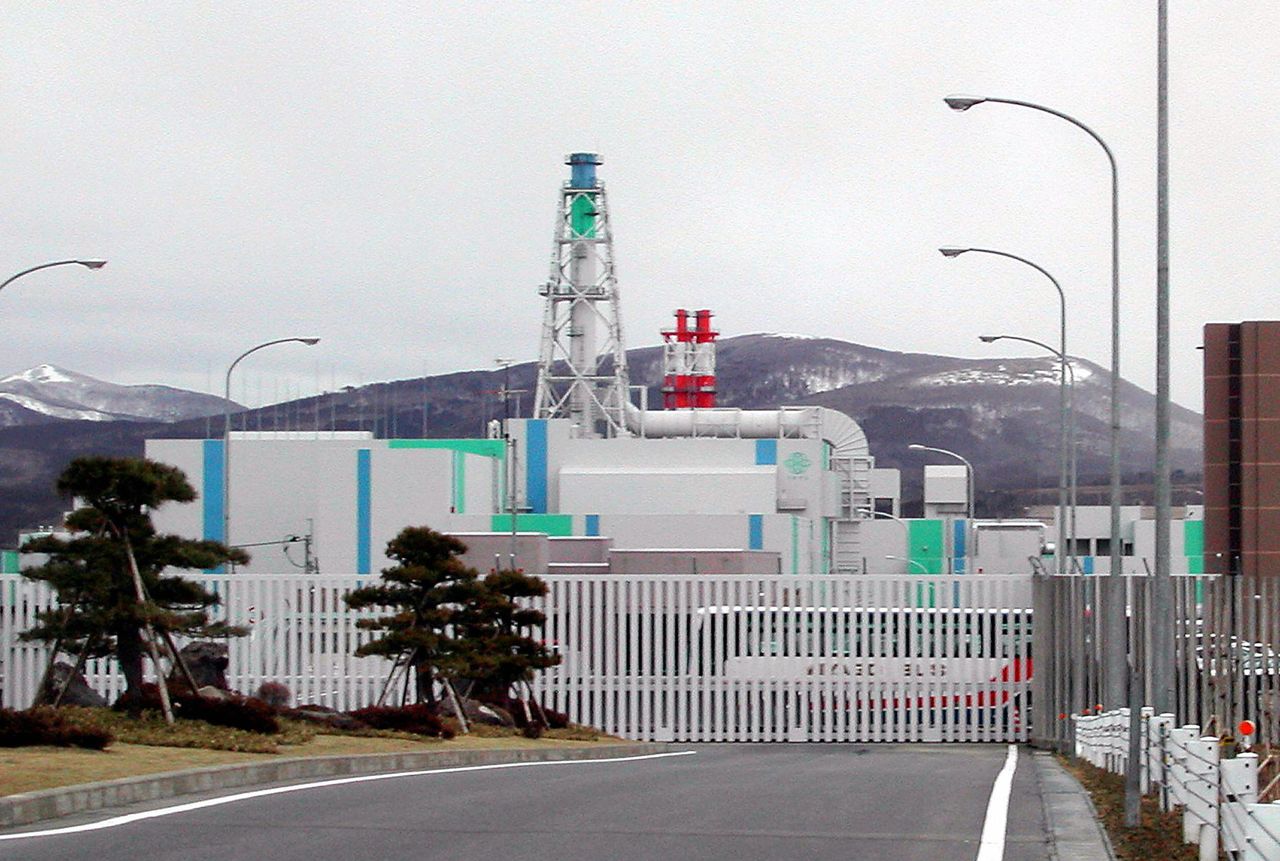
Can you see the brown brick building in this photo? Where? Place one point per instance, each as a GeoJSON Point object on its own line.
{"type": "Point", "coordinates": [1242, 447]}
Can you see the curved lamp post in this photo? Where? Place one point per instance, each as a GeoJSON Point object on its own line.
{"type": "Point", "coordinates": [88, 264]}
{"type": "Point", "coordinates": [910, 562]}
{"type": "Point", "coordinates": [969, 476]}
{"type": "Point", "coordinates": [970, 486]}
{"type": "Point", "coordinates": [1114, 625]}
{"type": "Point", "coordinates": [1061, 353]}
{"type": "Point", "coordinates": [906, 527]}
{"type": "Point", "coordinates": [226, 429]}
{"type": "Point", "coordinates": [1068, 436]}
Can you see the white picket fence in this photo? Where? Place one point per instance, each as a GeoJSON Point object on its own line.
{"type": "Point", "coordinates": [791, 658]}
{"type": "Point", "coordinates": [680, 657]}
{"type": "Point", "coordinates": [302, 634]}
{"type": "Point", "coordinates": [1218, 797]}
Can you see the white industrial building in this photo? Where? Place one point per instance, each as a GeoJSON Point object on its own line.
{"type": "Point", "coordinates": [595, 481]}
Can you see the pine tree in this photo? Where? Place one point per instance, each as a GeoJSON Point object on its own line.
{"type": "Point", "coordinates": [498, 652]}
{"type": "Point", "coordinates": [426, 589]}
{"type": "Point", "coordinates": [114, 597]}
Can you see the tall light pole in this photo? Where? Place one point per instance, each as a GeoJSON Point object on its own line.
{"type": "Point", "coordinates": [970, 485]}
{"type": "Point", "coordinates": [88, 264]}
{"type": "Point", "coordinates": [226, 429]}
{"type": "Point", "coordinates": [1114, 624]}
{"type": "Point", "coordinates": [508, 450]}
{"type": "Point", "coordinates": [1070, 630]}
{"type": "Point", "coordinates": [1066, 484]}
{"type": "Point", "coordinates": [906, 527]}
{"type": "Point", "coordinates": [970, 477]}
{"type": "Point", "coordinates": [1061, 353]}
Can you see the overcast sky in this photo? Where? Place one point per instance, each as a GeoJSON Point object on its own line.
{"type": "Point", "coordinates": [386, 177]}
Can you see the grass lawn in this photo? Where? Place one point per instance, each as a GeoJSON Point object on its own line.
{"type": "Point", "coordinates": [26, 769]}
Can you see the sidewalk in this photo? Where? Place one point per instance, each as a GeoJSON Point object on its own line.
{"type": "Point", "coordinates": [1075, 834]}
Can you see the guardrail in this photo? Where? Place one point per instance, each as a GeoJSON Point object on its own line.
{"type": "Point", "coordinates": [1218, 796]}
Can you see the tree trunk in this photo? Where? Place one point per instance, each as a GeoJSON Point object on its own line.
{"type": "Point", "coordinates": [129, 653]}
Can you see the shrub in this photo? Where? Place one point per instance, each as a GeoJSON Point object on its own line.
{"type": "Point", "coordinates": [274, 694]}
{"type": "Point", "coordinates": [235, 712]}
{"type": "Point", "coordinates": [419, 719]}
{"type": "Point", "coordinates": [43, 725]}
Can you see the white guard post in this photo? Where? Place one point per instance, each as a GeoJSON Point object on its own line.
{"type": "Point", "coordinates": [1239, 789]}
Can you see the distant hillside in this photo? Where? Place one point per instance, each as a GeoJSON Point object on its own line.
{"type": "Point", "coordinates": [45, 393]}
{"type": "Point", "coordinates": [1000, 413]}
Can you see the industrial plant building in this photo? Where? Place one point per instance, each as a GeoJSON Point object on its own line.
{"type": "Point", "coordinates": [595, 480]}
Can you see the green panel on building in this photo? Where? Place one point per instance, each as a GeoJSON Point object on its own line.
{"type": "Point", "coordinates": [9, 562]}
{"type": "Point", "coordinates": [926, 546]}
{"type": "Point", "coordinates": [557, 525]}
{"type": "Point", "coordinates": [482, 447]}
{"type": "Point", "coordinates": [1193, 545]}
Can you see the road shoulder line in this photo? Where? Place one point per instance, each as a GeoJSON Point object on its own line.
{"type": "Point", "coordinates": [29, 807]}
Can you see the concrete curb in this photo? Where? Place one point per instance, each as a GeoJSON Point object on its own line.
{"type": "Point", "coordinates": [28, 807]}
{"type": "Point", "coordinates": [1075, 831]}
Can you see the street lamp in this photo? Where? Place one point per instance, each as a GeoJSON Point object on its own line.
{"type": "Point", "coordinates": [906, 527]}
{"type": "Point", "coordinates": [88, 264]}
{"type": "Point", "coordinates": [1115, 622]}
{"type": "Point", "coordinates": [226, 429]}
{"type": "Point", "coordinates": [508, 451]}
{"type": "Point", "coordinates": [1068, 439]}
{"type": "Point", "coordinates": [970, 478]}
{"type": "Point", "coordinates": [910, 562]}
{"type": "Point", "coordinates": [970, 485]}
{"type": "Point", "coordinates": [1061, 353]}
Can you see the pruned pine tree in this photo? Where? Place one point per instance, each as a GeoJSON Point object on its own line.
{"type": "Point", "coordinates": [424, 591]}
{"type": "Point", "coordinates": [496, 635]}
{"type": "Point", "coordinates": [114, 597]}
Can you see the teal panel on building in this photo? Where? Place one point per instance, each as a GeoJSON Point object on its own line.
{"type": "Point", "coordinates": [557, 525]}
{"type": "Point", "coordinates": [927, 553]}
{"type": "Point", "coordinates": [1193, 545]}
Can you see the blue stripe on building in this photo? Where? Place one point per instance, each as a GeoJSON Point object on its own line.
{"type": "Point", "coordinates": [592, 526]}
{"type": "Point", "coordinates": [961, 531]}
{"type": "Point", "coordinates": [364, 498]}
{"type": "Point", "coordinates": [766, 452]}
{"type": "Point", "coordinates": [211, 490]}
{"type": "Point", "coordinates": [536, 465]}
{"type": "Point", "coordinates": [755, 531]}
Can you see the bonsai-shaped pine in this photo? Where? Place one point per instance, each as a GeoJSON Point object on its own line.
{"type": "Point", "coordinates": [499, 653]}
{"type": "Point", "coordinates": [114, 596]}
{"type": "Point", "coordinates": [425, 589]}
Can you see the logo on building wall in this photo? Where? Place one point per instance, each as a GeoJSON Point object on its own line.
{"type": "Point", "coordinates": [798, 463]}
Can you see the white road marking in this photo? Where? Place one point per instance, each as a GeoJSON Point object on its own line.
{"type": "Point", "coordinates": [298, 787]}
{"type": "Point", "coordinates": [991, 847]}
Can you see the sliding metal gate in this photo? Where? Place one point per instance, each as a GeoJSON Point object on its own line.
{"type": "Point", "coordinates": [792, 658]}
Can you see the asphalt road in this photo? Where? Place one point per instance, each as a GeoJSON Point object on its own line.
{"type": "Point", "coordinates": [736, 802]}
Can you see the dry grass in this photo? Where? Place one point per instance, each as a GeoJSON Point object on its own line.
{"type": "Point", "coordinates": [150, 747]}
{"type": "Point", "coordinates": [1158, 836]}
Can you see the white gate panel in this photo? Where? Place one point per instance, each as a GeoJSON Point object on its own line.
{"type": "Point", "coordinates": [791, 658]}
{"type": "Point", "coordinates": [663, 657]}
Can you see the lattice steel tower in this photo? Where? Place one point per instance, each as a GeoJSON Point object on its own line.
{"type": "Point", "coordinates": [582, 371]}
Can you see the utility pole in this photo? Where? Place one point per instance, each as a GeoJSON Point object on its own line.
{"type": "Point", "coordinates": [509, 451]}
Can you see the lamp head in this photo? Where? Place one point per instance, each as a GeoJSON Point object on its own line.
{"type": "Point", "coordinates": [987, 339]}
{"type": "Point", "coordinates": [310, 342]}
{"type": "Point", "coordinates": [92, 264]}
{"type": "Point", "coordinates": [915, 446]}
{"type": "Point", "coordinates": [952, 251]}
{"type": "Point", "coordinates": [963, 103]}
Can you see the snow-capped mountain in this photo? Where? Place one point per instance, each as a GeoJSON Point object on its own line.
{"type": "Point", "coordinates": [45, 392]}
{"type": "Point", "coordinates": [1003, 414]}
